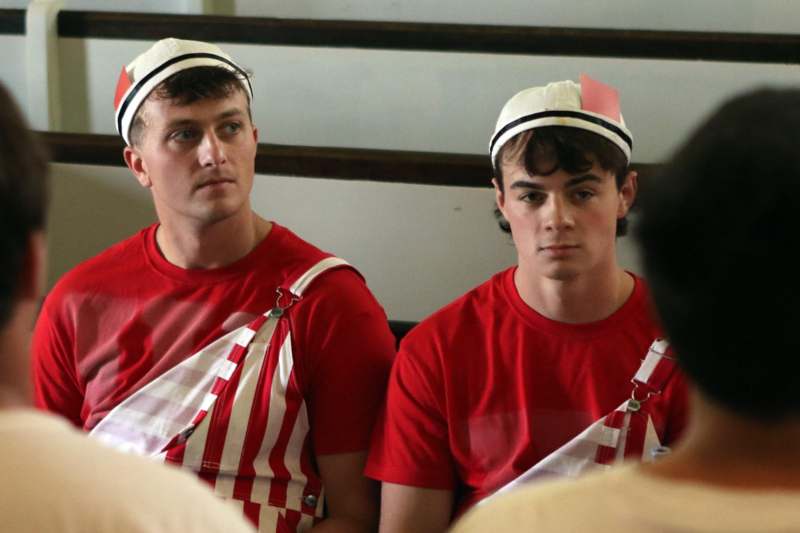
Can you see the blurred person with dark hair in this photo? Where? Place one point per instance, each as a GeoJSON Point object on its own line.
{"type": "Point", "coordinates": [528, 375]}
{"type": "Point", "coordinates": [215, 339]}
{"type": "Point", "coordinates": [718, 233]}
{"type": "Point", "coordinates": [55, 478]}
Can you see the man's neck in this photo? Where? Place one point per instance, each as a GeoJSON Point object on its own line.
{"type": "Point", "coordinates": [722, 448]}
{"type": "Point", "coordinates": [14, 361]}
{"type": "Point", "coordinates": [585, 298]}
{"type": "Point", "coordinates": [212, 246]}
{"type": "Point", "coordinates": [11, 399]}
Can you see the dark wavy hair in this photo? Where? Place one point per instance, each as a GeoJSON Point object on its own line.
{"type": "Point", "coordinates": [23, 196]}
{"type": "Point", "coordinates": [571, 149]}
{"type": "Point", "coordinates": [719, 231]}
{"type": "Point", "coordinates": [189, 86]}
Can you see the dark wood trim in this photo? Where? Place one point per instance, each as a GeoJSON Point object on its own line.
{"type": "Point", "coordinates": [387, 166]}
{"type": "Point", "coordinates": [84, 148]}
{"type": "Point", "coordinates": [12, 22]}
{"type": "Point", "coordinates": [585, 42]}
{"type": "Point", "coordinates": [391, 166]}
{"type": "Point", "coordinates": [400, 329]}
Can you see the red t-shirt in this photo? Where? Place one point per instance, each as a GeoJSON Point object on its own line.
{"type": "Point", "coordinates": [486, 387]}
{"type": "Point", "coordinates": [124, 317]}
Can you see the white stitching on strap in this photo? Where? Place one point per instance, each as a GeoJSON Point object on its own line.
{"type": "Point", "coordinates": [305, 280]}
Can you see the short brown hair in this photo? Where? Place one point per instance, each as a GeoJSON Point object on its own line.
{"type": "Point", "coordinates": [23, 196]}
{"type": "Point", "coordinates": [558, 147]}
{"type": "Point", "coordinates": [189, 86]}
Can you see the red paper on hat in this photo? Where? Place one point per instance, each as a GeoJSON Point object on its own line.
{"type": "Point", "coordinates": [597, 97]}
{"type": "Point", "coordinates": [122, 86]}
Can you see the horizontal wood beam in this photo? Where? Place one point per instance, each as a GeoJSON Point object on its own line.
{"type": "Point", "coordinates": [585, 42]}
{"type": "Point", "coordinates": [12, 22]}
{"type": "Point", "coordinates": [387, 166]}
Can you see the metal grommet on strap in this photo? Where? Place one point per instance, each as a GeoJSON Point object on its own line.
{"type": "Point", "coordinates": [283, 301]}
{"type": "Point", "coordinates": [310, 500]}
{"type": "Point", "coordinates": [633, 405]}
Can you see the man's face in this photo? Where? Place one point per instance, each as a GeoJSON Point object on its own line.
{"type": "Point", "coordinates": [197, 159]}
{"type": "Point", "coordinates": [563, 224]}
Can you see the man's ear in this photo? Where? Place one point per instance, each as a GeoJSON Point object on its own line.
{"type": "Point", "coordinates": [499, 197]}
{"type": "Point", "coordinates": [135, 162]}
{"type": "Point", "coordinates": [627, 193]}
{"type": "Point", "coordinates": [32, 277]}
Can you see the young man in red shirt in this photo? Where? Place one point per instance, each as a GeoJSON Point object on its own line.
{"type": "Point", "coordinates": [718, 234]}
{"type": "Point", "coordinates": [55, 478]}
{"type": "Point", "coordinates": [504, 376]}
{"type": "Point", "coordinates": [216, 339]}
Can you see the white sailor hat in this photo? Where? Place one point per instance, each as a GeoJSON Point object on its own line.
{"type": "Point", "coordinates": [159, 62]}
{"type": "Point", "coordinates": [591, 106]}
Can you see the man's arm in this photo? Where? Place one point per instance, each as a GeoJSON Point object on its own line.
{"type": "Point", "coordinates": [410, 450]}
{"type": "Point", "coordinates": [352, 499]}
{"type": "Point", "coordinates": [348, 351]}
{"type": "Point", "coordinates": [406, 509]}
{"type": "Point", "coordinates": [54, 374]}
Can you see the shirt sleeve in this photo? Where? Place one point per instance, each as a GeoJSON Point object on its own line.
{"type": "Point", "coordinates": [411, 442]}
{"type": "Point", "coordinates": [347, 349]}
{"type": "Point", "coordinates": [55, 383]}
{"type": "Point", "coordinates": [677, 395]}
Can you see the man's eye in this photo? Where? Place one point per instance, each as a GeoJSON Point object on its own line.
{"type": "Point", "coordinates": [232, 127]}
{"type": "Point", "coordinates": [183, 135]}
{"type": "Point", "coordinates": [583, 194]}
{"type": "Point", "coordinates": [532, 197]}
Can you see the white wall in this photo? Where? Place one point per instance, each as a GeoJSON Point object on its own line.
{"type": "Point", "coordinates": [12, 73]}
{"type": "Point", "coordinates": [769, 16]}
{"type": "Point", "coordinates": [702, 15]}
{"type": "Point", "coordinates": [146, 6]}
{"type": "Point", "coordinates": [418, 246]}
{"type": "Point", "coordinates": [442, 102]}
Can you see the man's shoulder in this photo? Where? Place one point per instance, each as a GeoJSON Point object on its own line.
{"type": "Point", "coordinates": [117, 260]}
{"type": "Point", "coordinates": [120, 488]}
{"type": "Point", "coordinates": [291, 247]}
{"type": "Point", "coordinates": [546, 506]}
{"type": "Point", "coordinates": [469, 314]}
{"type": "Point", "coordinates": [298, 256]}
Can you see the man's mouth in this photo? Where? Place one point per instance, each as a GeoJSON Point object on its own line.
{"type": "Point", "coordinates": [558, 250]}
{"type": "Point", "coordinates": [214, 183]}
{"type": "Point", "coordinates": [559, 247]}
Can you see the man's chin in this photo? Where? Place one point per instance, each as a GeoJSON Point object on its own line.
{"type": "Point", "coordinates": [560, 272]}
{"type": "Point", "coordinates": [218, 214]}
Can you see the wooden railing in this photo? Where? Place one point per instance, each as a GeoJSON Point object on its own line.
{"type": "Point", "coordinates": [390, 166]}
{"type": "Point", "coordinates": [12, 21]}
{"type": "Point", "coordinates": [586, 42]}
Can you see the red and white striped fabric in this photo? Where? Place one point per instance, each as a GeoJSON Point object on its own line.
{"type": "Point", "coordinates": [626, 433]}
{"type": "Point", "coordinates": [234, 414]}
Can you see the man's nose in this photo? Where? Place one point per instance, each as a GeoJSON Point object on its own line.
{"type": "Point", "coordinates": [558, 214]}
{"type": "Point", "coordinates": [211, 151]}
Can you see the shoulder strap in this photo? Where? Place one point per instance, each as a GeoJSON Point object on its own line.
{"type": "Point", "coordinates": [292, 290]}
{"type": "Point", "coordinates": [656, 369]}
{"type": "Point", "coordinates": [300, 284]}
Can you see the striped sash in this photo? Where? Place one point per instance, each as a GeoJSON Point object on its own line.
{"type": "Point", "coordinates": [625, 433]}
{"type": "Point", "coordinates": [234, 414]}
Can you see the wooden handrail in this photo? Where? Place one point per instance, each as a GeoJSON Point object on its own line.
{"type": "Point", "coordinates": [585, 42]}
{"type": "Point", "coordinates": [388, 166]}
{"type": "Point", "coordinates": [12, 21]}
